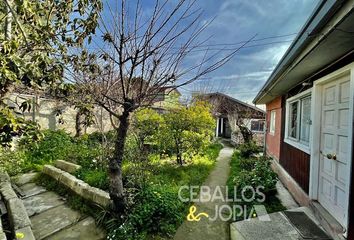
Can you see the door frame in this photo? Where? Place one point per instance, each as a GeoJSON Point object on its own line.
{"type": "Point", "coordinates": [316, 131]}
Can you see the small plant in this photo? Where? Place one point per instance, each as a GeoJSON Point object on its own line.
{"type": "Point", "coordinates": [11, 161]}
{"type": "Point", "coordinates": [260, 175]}
{"type": "Point", "coordinates": [248, 163]}
{"type": "Point", "coordinates": [95, 178]}
{"type": "Point", "coordinates": [247, 149]}
{"type": "Point", "coordinates": [156, 211]}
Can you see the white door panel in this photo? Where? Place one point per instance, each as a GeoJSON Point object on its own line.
{"type": "Point", "coordinates": [334, 175]}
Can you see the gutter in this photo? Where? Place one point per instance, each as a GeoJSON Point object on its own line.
{"type": "Point", "coordinates": [323, 12]}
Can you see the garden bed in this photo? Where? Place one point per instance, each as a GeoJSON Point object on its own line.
{"type": "Point", "coordinates": [151, 183]}
{"type": "Point", "coordinates": [254, 172]}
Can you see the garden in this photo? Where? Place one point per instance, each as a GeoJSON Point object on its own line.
{"type": "Point", "coordinates": [162, 153]}
{"type": "Point", "coordinates": [250, 171]}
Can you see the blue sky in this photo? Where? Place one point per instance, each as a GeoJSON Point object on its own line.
{"type": "Point", "coordinates": [239, 20]}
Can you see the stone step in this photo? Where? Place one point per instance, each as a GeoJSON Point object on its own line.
{"type": "Point", "coordinates": [53, 220]}
{"type": "Point", "coordinates": [329, 223]}
{"type": "Point", "coordinates": [31, 189]}
{"type": "Point", "coordinates": [83, 230]}
{"type": "Point", "coordinates": [25, 178]}
{"type": "Point", "coordinates": [277, 227]}
{"type": "Point", "coordinates": [39, 203]}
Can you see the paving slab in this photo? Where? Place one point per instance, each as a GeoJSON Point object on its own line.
{"type": "Point", "coordinates": [42, 202]}
{"type": "Point", "coordinates": [53, 220]}
{"type": "Point", "coordinates": [285, 197]}
{"type": "Point", "coordinates": [30, 189]}
{"type": "Point", "coordinates": [83, 230]}
{"type": "Point", "coordinates": [278, 228]}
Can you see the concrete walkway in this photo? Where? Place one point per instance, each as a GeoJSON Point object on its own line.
{"type": "Point", "coordinates": [206, 229]}
{"type": "Point", "coordinates": [278, 227]}
{"type": "Point", "coordinates": [51, 218]}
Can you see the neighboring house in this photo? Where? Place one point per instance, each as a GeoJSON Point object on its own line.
{"type": "Point", "coordinates": [53, 114]}
{"type": "Point", "coordinates": [168, 98]}
{"type": "Point", "coordinates": [231, 113]}
{"type": "Point", "coordinates": [309, 102]}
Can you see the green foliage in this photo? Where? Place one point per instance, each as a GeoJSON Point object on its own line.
{"type": "Point", "coordinates": [11, 161]}
{"type": "Point", "coordinates": [260, 175]}
{"type": "Point", "coordinates": [188, 130]}
{"type": "Point", "coordinates": [94, 177]}
{"type": "Point", "coordinates": [248, 164]}
{"type": "Point", "coordinates": [158, 211]}
{"type": "Point", "coordinates": [34, 48]}
{"type": "Point", "coordinates": [55, 145]}
{"type": "Point", "coordinates": [60, 145]}
{"type": "Point", "coordinates": [247, 149]}
{"type": "Point", "coordinates": [253, 172]}
{"type": "Point", "coordinates": [12, 125]}
{"type": "Point", "coordinates": [147, 123]}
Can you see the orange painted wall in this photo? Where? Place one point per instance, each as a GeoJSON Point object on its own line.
{"type": "Point", "coordinates": [273, 141]}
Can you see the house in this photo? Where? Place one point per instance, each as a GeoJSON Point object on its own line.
{"type": "Point", "coordinates": [231, 114]}
{"type": "Point", "coordinates": [52, 113]}
{"type": "Point", "coordinates": [168, 98]}
{"type": "Point", "coordinates": [309, 104]}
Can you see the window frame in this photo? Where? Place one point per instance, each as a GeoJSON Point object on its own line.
{"type": "Point", "coordinates": [297, 142]}
{"type": "Point", "coordinates": [259, 121]}
{"type": "Point", "coordinates": [272, 121]}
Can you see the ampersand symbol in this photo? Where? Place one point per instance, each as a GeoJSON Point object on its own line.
{"type": "Point", "coordinates": [192, 218]}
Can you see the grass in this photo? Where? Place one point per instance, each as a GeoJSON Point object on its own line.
{"type": "Point", "coordinates": [161, 176]}
{"type": "Point", "coordinates": [271, 203]}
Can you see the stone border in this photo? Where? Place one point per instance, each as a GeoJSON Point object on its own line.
{"type": "Point", "coordinates": [19, 220]}
{"type": "Point", "coordinates": [66, 166]}
{"type": "Point", "coordinates": [78, 186]}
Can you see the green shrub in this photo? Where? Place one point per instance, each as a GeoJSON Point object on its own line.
{"type": "Point", "coordinates": [95, 178]}
{"type": "Point", "coordinates": [248, 163]}
{"type": "Point", "coordinates": [55, 145]}
{"type": "Point", "coordinates": [247, 149]}
{"type": "Point", "coordinates": [11, 161]}
{"type": "Point", "coordinates": [213, 150]}
{"type": "Point", "coordinates": [157, 210]}
{"type": "Point", "coordinates": [260, 175]}
{"type": "Point", "coordinates": [99, 137]}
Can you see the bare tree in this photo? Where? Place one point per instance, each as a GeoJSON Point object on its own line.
{"type": "Point", "coordinates": [143, 53]}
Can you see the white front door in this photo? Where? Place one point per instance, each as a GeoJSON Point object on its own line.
{"type": "Point", "coordinates": [335, 149]}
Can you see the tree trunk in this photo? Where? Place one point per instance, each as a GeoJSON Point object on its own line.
{"type": "Point", "coordinates": [246, 134]}
{"type": "Point", "coordinates": [116, 189]}
{"type": "Point", "coordinates": [178, 154]}
{"type": "Point", "coordinates": [78, 127]}
{"type": "Point", "coordinates": [179, 159]}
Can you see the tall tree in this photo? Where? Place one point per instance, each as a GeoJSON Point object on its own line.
{"type": "Point", "coordinates": [35, 42]}
{"type": "Point", "coordinates": [144, 51]}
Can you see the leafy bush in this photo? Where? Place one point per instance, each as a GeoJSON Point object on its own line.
{"type": "Point", "coordinates": [248, 163]}
{"type": "Point", "coordinates": [55, 145]}
{"type": "Point", "coordinates": [99, 137]}
{"type": "Point", "coordinates": [260, 175]}
{"type": "Point", "coordinates": [96, 178]}
{"type": "Point", "coordinates": [247, 149]}
{"type": "Point", "coordinates": [187, 130]}
{"type": "Point", "coordinates": [253, 172]}
{"type": "Point", "coordinates": [11, 161]}
{"type": "Point", "coordinates": [157, 210]}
